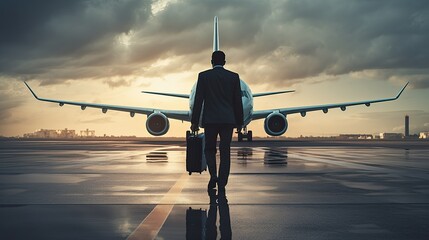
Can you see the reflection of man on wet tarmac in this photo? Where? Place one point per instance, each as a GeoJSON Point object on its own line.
{"type": "Point", "coordinates": [199, 224]}
{"type": "Point", "coordinates": [219, 90]}
{"type": "Point", "coordinates": [225, 220]}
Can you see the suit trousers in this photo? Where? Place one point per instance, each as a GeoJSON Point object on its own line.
{"type": "Point", "coordinates": [211, 131]}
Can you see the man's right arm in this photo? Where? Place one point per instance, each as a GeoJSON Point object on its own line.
{"type": "Point", "coordinates": [198, 102]}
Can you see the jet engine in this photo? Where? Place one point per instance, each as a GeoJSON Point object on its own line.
{"type": "Point", "coordinates": [275, 124]}
{"type": "Point", "coordinates": [157, 124]}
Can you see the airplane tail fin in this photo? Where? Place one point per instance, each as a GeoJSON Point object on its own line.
{"type": "Point", "coordinates": [271, 93]}
{"type": "Point", "coordinates": [215, 35]}
{"type": "Point", "coordinates": [168, 94]}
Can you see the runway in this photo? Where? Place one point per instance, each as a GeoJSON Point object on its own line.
{"type": "Point", "coordinates": [277, 190]}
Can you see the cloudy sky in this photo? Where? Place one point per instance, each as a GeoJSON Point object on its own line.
{"type": "Point", "coordinates": [108, 51]}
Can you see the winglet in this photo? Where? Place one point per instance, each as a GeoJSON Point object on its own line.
{"type": "Point", "coordinates": [31, 91]}
{"type": "Point", "coordinates": [400, 92]}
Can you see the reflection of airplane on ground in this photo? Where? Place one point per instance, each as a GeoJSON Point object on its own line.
{"type": "Point", "coordinates": [275, 123]}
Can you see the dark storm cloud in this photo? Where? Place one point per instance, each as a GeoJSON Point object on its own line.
{"type": "Point", "coordinates": [53, 42]}
{"type": "Point", "coordinates": [275, 41]}
{"type": "Point", "coordinates": [186, 27]}
{"type": "Point", "coordinates": [63, 39]}
{"type": "Point", "coordinates": [336, 37]}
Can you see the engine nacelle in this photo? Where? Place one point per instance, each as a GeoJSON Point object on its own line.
{"type": "Point", "coordinates": [275, 124]}
{"type": "Point", "coordinates": [157, 124]}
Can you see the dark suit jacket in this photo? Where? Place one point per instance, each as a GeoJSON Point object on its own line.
{"type": "Point", "coordinates": [219, 90]}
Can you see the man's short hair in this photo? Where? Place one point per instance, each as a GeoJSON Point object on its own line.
{"type": "Point", "coordinates": [218, 58]}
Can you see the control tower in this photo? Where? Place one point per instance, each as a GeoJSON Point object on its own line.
{"type": "Point", "coordinates": [407, 126]}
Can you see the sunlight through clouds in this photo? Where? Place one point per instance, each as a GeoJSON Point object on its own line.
{"type": "Point", "coordinates": [125, 39]}
{"type": "Point", "coordinates": [159, 5]}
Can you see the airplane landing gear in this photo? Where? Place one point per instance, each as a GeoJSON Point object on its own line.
{"type": "Point", "coordinates": [245, 135]}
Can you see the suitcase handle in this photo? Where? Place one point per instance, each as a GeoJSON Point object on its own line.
{"type": "Point", "coordinates": [191, 133]}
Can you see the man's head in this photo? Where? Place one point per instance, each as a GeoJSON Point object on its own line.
{"type": "Point", "coordinates": [218, 58]}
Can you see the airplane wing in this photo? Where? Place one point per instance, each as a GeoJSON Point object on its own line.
{"type": "Point", "coordinates": [303, 110]}
{"type": "Point", "coordinates": [179, 115]}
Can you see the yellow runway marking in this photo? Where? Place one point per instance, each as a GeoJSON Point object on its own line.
{"type": "Point", "coordinates": [150, 226]}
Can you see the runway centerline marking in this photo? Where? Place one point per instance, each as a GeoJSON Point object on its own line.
{"type": "Point", "coordinates": [150, 226]}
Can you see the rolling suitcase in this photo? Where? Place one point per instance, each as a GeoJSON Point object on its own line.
{"type": "Point", "coordinates": [195, 224]}
{"type": "Point", "coordinates": [195, 159]}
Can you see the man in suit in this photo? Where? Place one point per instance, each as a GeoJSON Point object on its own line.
{"type": "Point", "coordinates": [219, 90]}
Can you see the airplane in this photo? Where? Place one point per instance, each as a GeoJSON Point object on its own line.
{"type": "Point", "coordinates": [275, 123]}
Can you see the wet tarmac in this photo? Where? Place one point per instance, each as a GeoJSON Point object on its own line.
{"type": "Point", "coordinates": [136, 190]}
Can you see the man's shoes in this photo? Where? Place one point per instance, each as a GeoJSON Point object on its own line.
{"type": "Point", "coordinates": [212, 183]}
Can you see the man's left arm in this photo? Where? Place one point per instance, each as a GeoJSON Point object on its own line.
{"type": "Point", "coordinates": [238, 104]}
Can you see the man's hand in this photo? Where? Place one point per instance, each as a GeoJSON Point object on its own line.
{"type": "Point", "coordinates": [238, 129]}
{"type": "Point", "coordinates": [194, 127]}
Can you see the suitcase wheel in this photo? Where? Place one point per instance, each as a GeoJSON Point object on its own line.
{"type": "Point", "coordinates": [190, 173]}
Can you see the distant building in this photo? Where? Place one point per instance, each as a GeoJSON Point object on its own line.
{"type": "Point", "coordinates": [42, 133]}
{"type": "Point", "coordinates": [407, 126]}
{"type": "Point", "coordinates": [391, 136]}
{"type": "Point", "coordinates": [355, 136]}
{"type": "Point", "coordinates": [424, 135]}
{"type": "Point", "coordinates": [67, 133]}
{"type": "Point", "coordinates": [50, 133]}
{"type": "Point", "coordinates": [87, 133]}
